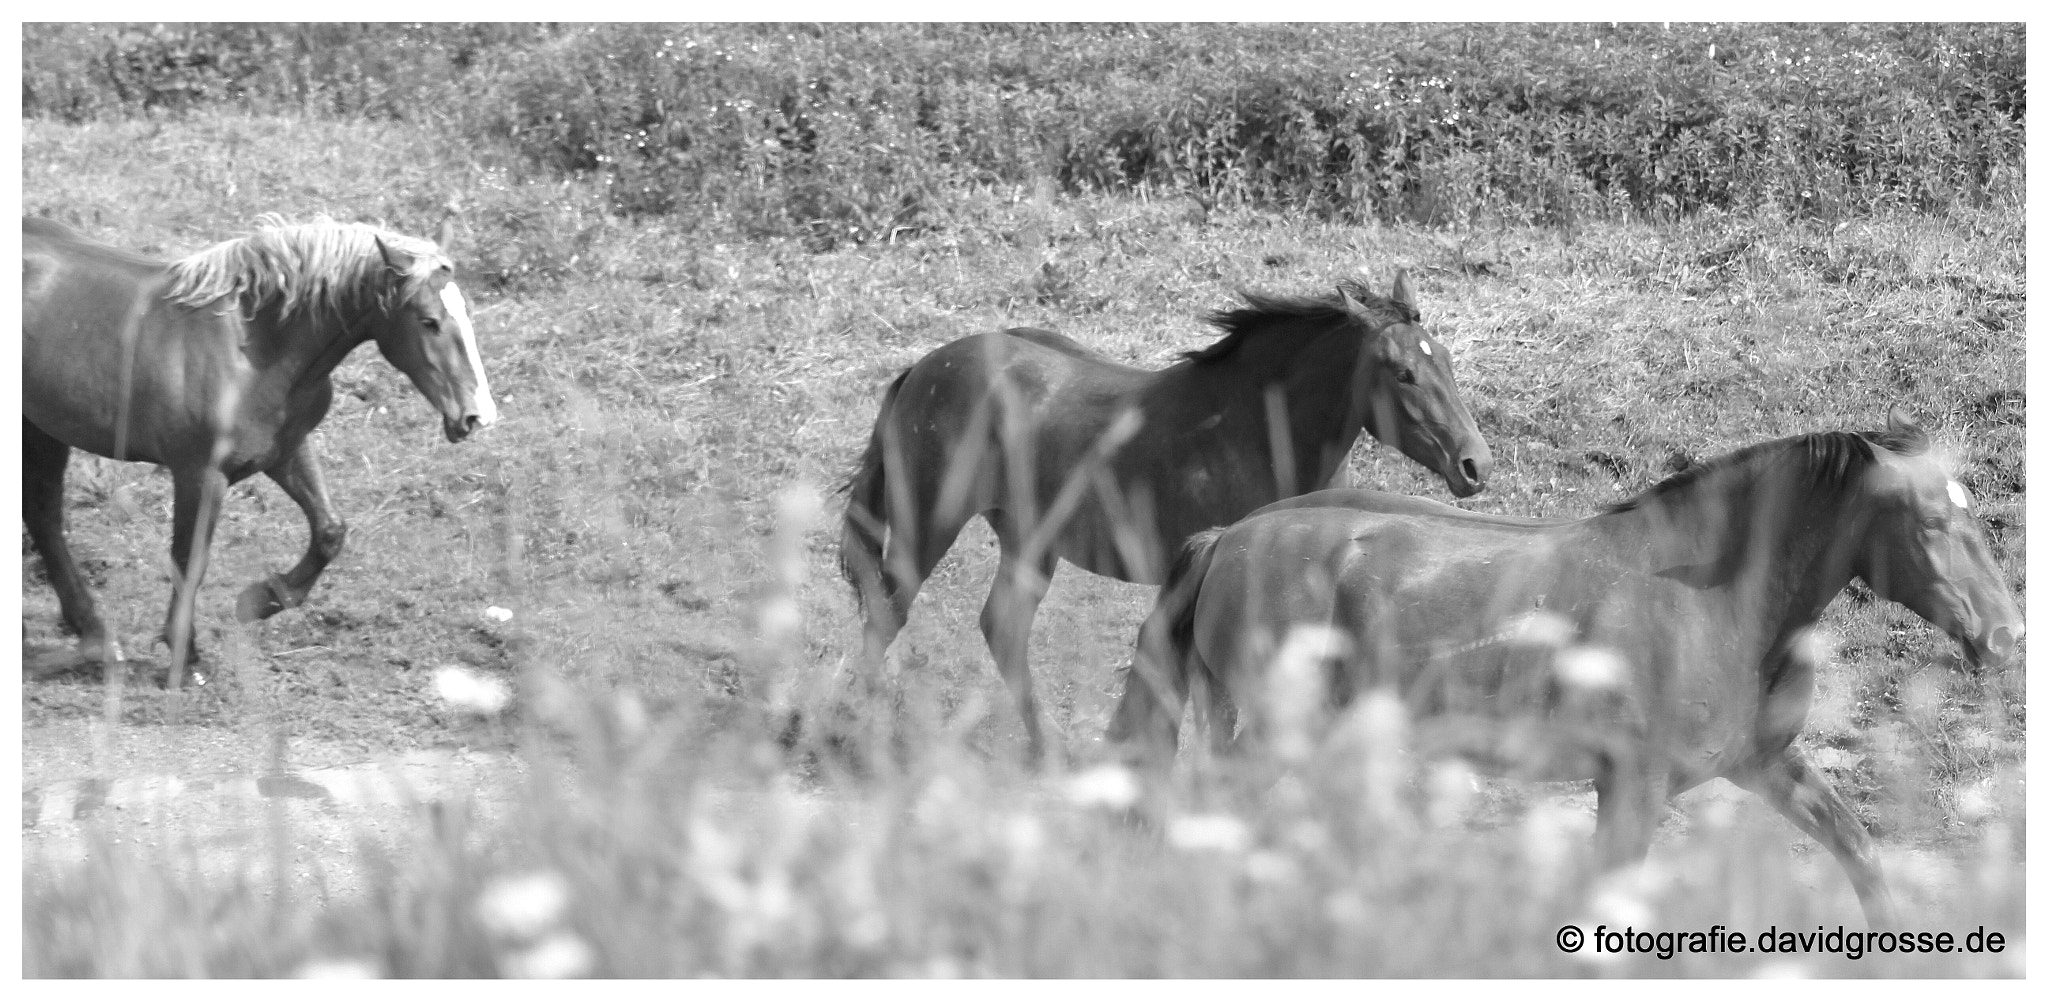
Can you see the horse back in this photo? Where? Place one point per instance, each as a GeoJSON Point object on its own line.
{"type": "Point", "coordinates": [99, 339]}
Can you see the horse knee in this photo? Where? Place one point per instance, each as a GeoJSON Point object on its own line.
{"type": "Point", "coordinates": [329, 539]}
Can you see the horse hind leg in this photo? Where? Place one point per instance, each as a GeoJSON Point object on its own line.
{"type": "Point", "coordinates": [1020, 584]}
{"type": "Point", "coordinates": [44, 460]}
{"type": "Point", "coordinates": [1803, 796]}
{"type": "Point", "coordinates": [1146, 721]}
{"type": "Point", "coordinates": [300, 478]}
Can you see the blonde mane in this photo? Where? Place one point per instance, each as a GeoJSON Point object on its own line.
{"type": "Point", "coordinates": [321, 266]}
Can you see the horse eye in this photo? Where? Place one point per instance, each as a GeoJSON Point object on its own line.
{"type": "Point", "coordinates": [433, 326]}
{"type": "Point", "coordinates": [1407, 375]}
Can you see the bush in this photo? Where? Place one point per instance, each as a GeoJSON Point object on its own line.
{"type": "Point", "coordinates": [851, 133]}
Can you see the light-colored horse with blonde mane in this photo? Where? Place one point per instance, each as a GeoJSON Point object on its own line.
{"type": "Point", "coordinates": [217, 367]}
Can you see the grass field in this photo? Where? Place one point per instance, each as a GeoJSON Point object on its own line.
{"type": "Point", "coordinates": [662, 390]}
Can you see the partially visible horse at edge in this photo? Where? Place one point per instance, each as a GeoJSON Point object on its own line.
{"type": "Point", "coordinates": [1695, 600]}
{"type": "Point", "coordinates": [217, 367]}
{"type": "Point", "coordinates": [1070, 455]}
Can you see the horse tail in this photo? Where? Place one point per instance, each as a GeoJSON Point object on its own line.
{"type": "Point", "coordinates": [1183, 586]}
{"type": "Point", "coordinates": [1156, 687]}
{"type": "Point", "coordinates": [867, 510]}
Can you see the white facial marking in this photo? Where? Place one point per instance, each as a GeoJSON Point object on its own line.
{"type": "Point", "coordinates": [1956, 493]}
{"type": "Point", "coordinates": [1425, 349]}
{"type": "Point", "coordinates": [452, 301]}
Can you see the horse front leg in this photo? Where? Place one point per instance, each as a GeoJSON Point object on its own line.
{"type": "Point", "coordinates": [44, 459]}
{"type": "Point", "coordinates": [298, 475]}
{"type": "Point", "coordinates": [1632, 790]}
{"type": "Point", "coordinates": [1810, 802]}
{"type": "Point", "coordinates": [196, 499]}
{"type": "Point", "coordinates": [1012, 603]}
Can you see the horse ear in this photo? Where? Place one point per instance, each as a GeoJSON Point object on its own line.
{"type": "Point", "coordinates": [1403, 294]}
{"type": "Point", "coordinates": [1899, 423]}
{"type": "Point", "coordinates": [391, 260]}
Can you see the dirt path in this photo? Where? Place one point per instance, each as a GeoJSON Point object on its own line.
{"type": "Point", "coordinates": [208, 799]}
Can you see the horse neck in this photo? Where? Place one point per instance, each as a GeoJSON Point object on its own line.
{"type": "Point", "coordinates": [1777, 545]}
{"type": "Point", "coordinates": [308, 344]}
{"type": "Point", "coordinates": [1313, 366]}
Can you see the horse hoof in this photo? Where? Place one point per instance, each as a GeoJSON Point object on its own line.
{"type": "Point", "coordinates": [101, 651]}
{"type": "Point", "coordinates": [258, 601]}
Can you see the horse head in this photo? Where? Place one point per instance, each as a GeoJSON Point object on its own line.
{"type": "Point", "coordinates": [426, 333]}
{"type": "Point", "coordinates": [1412, 397]}
{"type": "Point", "coordinates": [1924, 550]}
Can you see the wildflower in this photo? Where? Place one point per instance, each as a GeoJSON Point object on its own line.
{"type": "Point", "coordinates": [339, 969]}
{"type": "Point", "coordinates": [1295, 689]}
{"type": "Point", "coordinates": [1813, 646]}
{"type": "Point", "coordinates": [780, 618]}
{"type": "Point", "coordinates": [1023, 834]}
{"type": "Point", "coordinates": [466, 689]}
{"type": "Point", "coordinates": [1781, 969]}
{"type": "Point", "coordinates": [522, 907]}
{"type": "Point", "coordinates": [1112, 787]}
{"type": "Point", "coordinates": [1453, 787]}
{"type": "Point", "coordinates": [560, 956]}
{"type": "Point", "coordinates": [1271, 868]}
{"type": "Point", "coordinates": [1218, 832]}
{"type": "Point", "coordinates": [1976, 801]}
{"type": "Point", "coordinates": [1590, 667]}
{"type": "Point", "coordinates": [1540, 628]}
{"type": "Point", "coordinates": [497, 614]}
{"type": "Point", "coordinates": [798, 508]}
{"type": "Point", "coordinates": [1623, 899]}
{"type": "Point", "coordinates": [1549, 834]}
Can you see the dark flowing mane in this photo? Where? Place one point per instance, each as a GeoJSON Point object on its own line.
{"type": "Point", "coordinates": [322, 266]}
{"type": "Point", "coordinates": [1833, 458]}
{"type": "Point", "coordinates": [1261, 311]}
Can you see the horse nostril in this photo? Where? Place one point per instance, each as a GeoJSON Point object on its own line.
{"type": "Point", "coordinates": [2006, 639]}
{"type": "Point", "coordinates": [470, 423]}
{"type": "Point", "coordinates": [1470, 469]}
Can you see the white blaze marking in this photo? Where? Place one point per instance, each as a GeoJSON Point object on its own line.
{"type": "Point", "coordinates": [1955, 493]}
{"type": "Point", "coordinates": [1426, 352]}
{"type": "Point", "coordinates": [451, 300]}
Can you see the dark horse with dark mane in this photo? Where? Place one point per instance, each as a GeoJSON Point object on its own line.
{"type": "Point", "coordinates": [1070, 455]}
{"type": "Point", "coordinates": [1650, 648]}
{"type": "Point", "coordinates": [217, 367]}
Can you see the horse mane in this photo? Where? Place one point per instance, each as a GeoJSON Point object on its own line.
{"type": "Point", "coordinates": [1834, 458]}
{"type": "Point", "coordinates": [318, 266]}
{"type": "Point", "coordinates": [1260, 311]}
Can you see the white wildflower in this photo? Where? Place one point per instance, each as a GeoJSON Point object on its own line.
{"type": "Point", "coordinates": [1219, 832]}
{"type": "Point", "coordinates": [497, 614]}
{"type": "Point", "coordinates": [1112, 787]}
{"type": "Point", "coordinates": [1781, 969]}
{"type": "Point", "coordinates": [340, 969]}
{"type": "Point", "coordinates": [466, 689]}
{"type": "Point", "coordinates": [1590, 667]}
{"type": "Point", "coordinates": [1023, 834]}
{"type": "Point", "coordinates": [1541, 628]}
{"type": "Point", "coordinates": [524, 906]}
{"type": "Point", "coordinates": [560, 956]}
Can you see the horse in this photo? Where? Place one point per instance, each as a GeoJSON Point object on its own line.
{"type": "Point", "coordinates": [217, 367]}
{"type": "Point", "coordinates": [1651, 647]}
{"type": "Point", "coordinates": [1069, 455]}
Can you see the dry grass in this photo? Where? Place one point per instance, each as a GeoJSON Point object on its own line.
{"type": "Point", "coordinates": [659, 391]}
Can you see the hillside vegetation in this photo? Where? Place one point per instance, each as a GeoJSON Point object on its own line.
{"type": "Point", "coordinates": [699, 253]}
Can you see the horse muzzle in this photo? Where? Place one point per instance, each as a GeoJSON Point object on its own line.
{"type": "Point", "coordinates": [462, 427]}
{"type": "Point", "coordinates": [1997, 647]}
{"type": "Point", "coordinates": [1467, 475]}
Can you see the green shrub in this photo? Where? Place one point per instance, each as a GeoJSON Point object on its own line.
{"type": "Point", "coordinates": [853, 133]}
